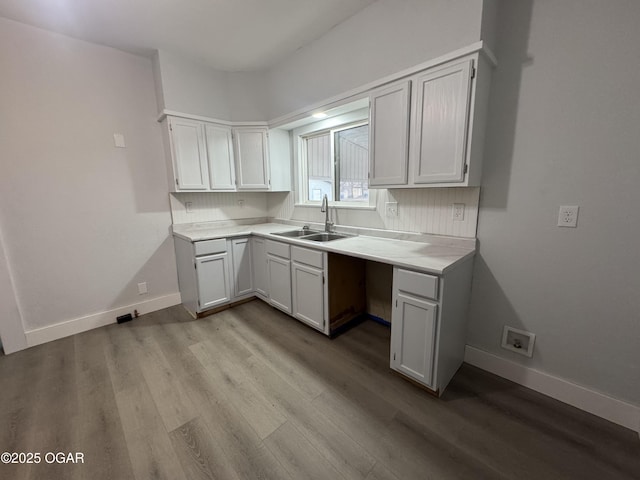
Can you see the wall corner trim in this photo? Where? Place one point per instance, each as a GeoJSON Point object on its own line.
{"type": "Point", "coordinates": [78, 325]}
{"type": "Point", "coordinates": [609, 408]}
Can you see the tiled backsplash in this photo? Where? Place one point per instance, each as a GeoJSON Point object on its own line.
{"type": "Point", "coordinates": [213, 207]}
{"type": "Point", "coordinates": [424, 210]}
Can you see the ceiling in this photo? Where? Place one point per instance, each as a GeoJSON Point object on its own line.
{"type": "Point", "coordinates": [229, 35]}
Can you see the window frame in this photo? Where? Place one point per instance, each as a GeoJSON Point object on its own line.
{"type": "Point", "coordinates": [330, 125]}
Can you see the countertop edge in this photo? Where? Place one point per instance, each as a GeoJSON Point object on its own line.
{"type": "Point", "coordinates": [324, 246]}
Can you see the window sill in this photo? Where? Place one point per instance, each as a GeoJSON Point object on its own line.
{"type": "Point", "coordinates": [338, 206]}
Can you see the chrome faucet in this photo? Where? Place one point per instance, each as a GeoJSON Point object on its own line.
{"type": "Point", "coordinates": [324, 208]}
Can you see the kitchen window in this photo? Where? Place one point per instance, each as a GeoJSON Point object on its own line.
{"type": "Point", "coordinates": [334, 162]}
{"type": "Point", "coordinates": [337, 164]}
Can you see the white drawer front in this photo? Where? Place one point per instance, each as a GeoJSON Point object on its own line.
{"type": "Point", "coordinates": [421, 284]}
{"type": "Point", "coordinates": [278, 249]}
{"type": "Point", "coordinates": [208, 247]}
{"type": "Point", "coordinates": [307, 256]}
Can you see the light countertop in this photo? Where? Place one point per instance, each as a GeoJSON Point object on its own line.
{"type": "Point", "coordinates": [428, 257]}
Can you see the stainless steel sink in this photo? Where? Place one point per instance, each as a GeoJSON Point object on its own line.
{"type": "Point", "coordinates": [324, 237]}
{"type": "Point", "coordinates": [296, 233]}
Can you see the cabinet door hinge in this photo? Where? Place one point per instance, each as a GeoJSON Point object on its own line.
{"type": "Point", "coordinates": [473, 72]}
{"type": "Point", "coordinates": [394, 356]}
{"type": "Point", "coordinates": [396, 303]}
{"type": "Point", "coordinates": [199, 307]}
{"type": "Point", "coordinates": [178, 184]}
{"type": "Point", "coordinates": [195, 265]}
{"type": "Point", "coordinates": [170, 127]}
{"type": "Point", "coordinates": [323, 279]}
{"type": "Point", "coordinates": [466, 167]}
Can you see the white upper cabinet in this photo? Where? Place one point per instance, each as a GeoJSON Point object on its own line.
{"type": "Point", "coordinates": [220, 154]}
{"type": "Point", "coordinates": [389, 135]}
{"type": "Point", "coordinates": [441, 110]}
{"type": "Point", "coordinates": [252, 158]}
{"type": "Point", "coordinates": [189, 155]}
{"type": "Point", "coordinates": [205, 156]}
{"type": "Point", "coordinates": [428, 130]}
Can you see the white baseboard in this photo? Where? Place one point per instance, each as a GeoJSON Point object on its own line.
{"type": "Point", "coordinates": [609, 408]}
{"type": "Point", "coordinates": [82, 324]}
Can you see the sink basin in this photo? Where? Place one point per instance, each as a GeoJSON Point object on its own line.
{"type": "Point", "coordinates": [296, 233]}
{"type": "Point", "coordinates": [324, 237]}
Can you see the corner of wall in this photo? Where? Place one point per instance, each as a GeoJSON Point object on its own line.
{"type": "Point", "coordinates": [157, 80]}
{"type": "Point", "coordinates": [489, 21]}
{"type": "Point", "coordinates": [11, 325]}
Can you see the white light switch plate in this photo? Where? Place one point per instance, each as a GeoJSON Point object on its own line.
{"type": "Point", "coordinates": [118, 139]}
{"type": "Point", "coordinates": [142, 288]}
{"type": "Point", "coordinates": [568, 216]}
{"type": "Point", "coordinates": [391, 209]}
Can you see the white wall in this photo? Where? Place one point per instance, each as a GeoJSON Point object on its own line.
{"type": "Point", "coordinates": [563, 130]}
{"type": "Point", "coordinates": [247, 96]}
{"type": "Point", "coordinates": [384, 38]}
{"type": "Point", "coordinates": [191, 87]}
{"type": "Point", "coordinates": [82, 221]}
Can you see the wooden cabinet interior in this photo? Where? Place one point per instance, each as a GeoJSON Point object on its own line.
{"type": "Point", "coordinates": [347, 290]}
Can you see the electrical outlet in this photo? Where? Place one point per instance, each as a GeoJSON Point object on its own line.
{"type": "Point", "coordinates": [457, 212]}
{"type": "Point", "coordinates": [188, 207]}
{"type": "Point", "coordinates": [518, 341]}
{"type": "Point", "coordinates": [142, 288]}
{"type": "Point", "coordinates": [241, 203]}
{"type": "Point", "coordinates": [391, 209]}
{"type": "Point", "coordinates": [568, 216]}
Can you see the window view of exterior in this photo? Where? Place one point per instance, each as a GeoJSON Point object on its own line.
{"type": "Point", "coordinates": [338, 164]}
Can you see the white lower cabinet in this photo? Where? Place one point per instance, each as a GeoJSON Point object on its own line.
{"type": "Point", "coordinates": [413, 337]}
{"type": "Point", "coordinates": [327, 290]}
{"type": "Point", "coordinates": [259, 259]}
{"type": "Point", "coordinates": [429, 324]}
{"type": "Point", "coordinates": [213, 285]}
{"type": "Point", "coordinates": [309, 289]}
{"type": "Point", "coordinates": [203, 274]}
{"type": "Point", "coordinates": [279, 275]}
{"type": "Point", "coordinates": [242, 267]}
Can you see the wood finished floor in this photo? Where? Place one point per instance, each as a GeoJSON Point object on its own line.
{"type": "Point", "coordinates": [250, 393]}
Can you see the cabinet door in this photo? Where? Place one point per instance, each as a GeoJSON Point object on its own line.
{"type": "Point", "coordinates": [308, 294]}
{"type": "Point", "coordinates": [252, 158]}
{"type": "Point", "coordinates": [441, 113]}
{"type": "Point", "coordinates": [242, 267]}
{"type": "Point", "coordinates": [389, 135]}
{"type": "Point", "coordinates": [220, 154]}
{"type": "Point", "coordinates": [413, 334]}
{"type": "Point", "coordinates": [189, 154]}
{"type": "Point", "coordinates": [259, 266]}
{"type": "Point", "coordinates": [213, 280]}
{"type": "Point", "coordinates": [279, 271]}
